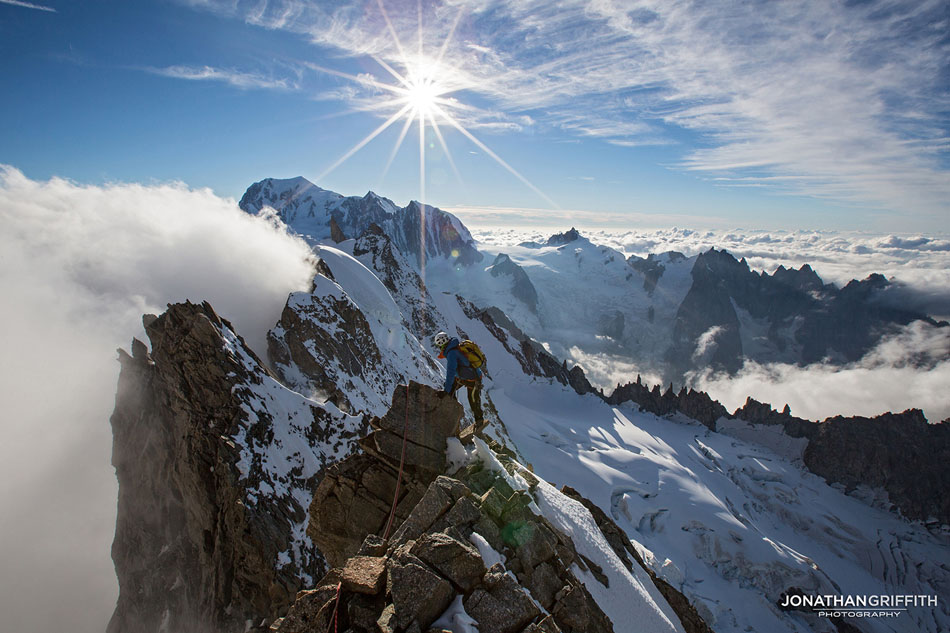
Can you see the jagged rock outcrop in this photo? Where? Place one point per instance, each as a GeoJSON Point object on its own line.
{"type": "Point", "coordinates": [435, 554]}
{"type": "Point", "coordinates": [694, 404]}
{"type": "Point", "coordinates": [531, 355]}
{"type": "Point", "coordinates": [652, 268]}
{"type": "Point", "coordinates": [521, 287]}
{"type": "Point", "coordinates": [706, 327]}
{"type": "Point", "coordinates": [216, 462]}
{"type": "Point", "coordinates": [901, 453]}
{"type": "Point", "coordinates": [621, 545]}
{"type": "Point", "coordinates": [805, 320]}
{"type": "Point", "coordinates": [329, 345]}
{"type": "Point", "coordinates": [560, 239]}
{"type": "Point", "coordinates": [355, 497]}
{"type": "Point", "coordinates": [374, 249]}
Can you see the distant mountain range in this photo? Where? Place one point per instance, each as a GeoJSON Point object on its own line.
{"type": "Point", "coordinates": [667, 313]}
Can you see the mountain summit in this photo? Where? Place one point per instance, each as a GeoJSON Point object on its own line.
{"type": "Point", "coordinates": [416, 229]}
{"type": "Point", "coordinates": [332, 484]}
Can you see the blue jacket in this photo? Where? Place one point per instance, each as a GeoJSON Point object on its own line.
{"type": "Point", "coordinates": [457, 364]}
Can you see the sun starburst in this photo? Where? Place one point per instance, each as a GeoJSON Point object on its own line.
{"type": "Point", "coordinates": [419, 95]}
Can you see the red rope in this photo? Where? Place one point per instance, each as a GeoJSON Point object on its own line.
{"type": "Point", "coordinates": [336, 605]}
{"type": "Point", "coordinates": [402, 461]}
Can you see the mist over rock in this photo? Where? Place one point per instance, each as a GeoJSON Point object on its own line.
{"type": "Point", "coordinates": [216, 463]}
{"type": "Point", "coordinates": [257, 497]}
{"type": "Point", "coordinates": [732, 313]}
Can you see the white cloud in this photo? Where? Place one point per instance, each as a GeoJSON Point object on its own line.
{"type": "Point", "coordinates": [911, 369]}
{"type": "Point", "coordinates": [845, 101]}
{"type": "Point", "coordinates": [80, 264]}
{"type": "Point", "coordinates": [28, 5]}
{"type": "Point", "coordinates": [606, 371]}
{"type": "Point", "coordinates": [235, 78]}
{"type": "Point", "coordinates": [908, 370]}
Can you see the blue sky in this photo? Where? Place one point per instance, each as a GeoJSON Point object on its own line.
{"type": "Point", "coordinates": [756, 114]}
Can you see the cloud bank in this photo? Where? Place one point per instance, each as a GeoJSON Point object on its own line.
{"type": "Point", "coordinates": [846, 101]}
{"type": "Point", "coordinates": [905, 370]}
{"type": "Point", "coordinates": [908, 370]}
{"type": "Point", "coordinates": [918, 265]}
{"type": "Point", "coordinates": [79, 267]}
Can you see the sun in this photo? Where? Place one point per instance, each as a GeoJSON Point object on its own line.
{"type": "Point", "coordinates": [425, 85]}
{"type": "Point", "coordinates": [423, 94]}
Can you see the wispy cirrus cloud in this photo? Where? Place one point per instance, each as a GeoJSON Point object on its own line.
{"type": "Point", "coordinates": [236, 78]}
{"type": "Point", "coordinates": [844, 101]}
{"type": "Point", "coordinates": [28, 5]}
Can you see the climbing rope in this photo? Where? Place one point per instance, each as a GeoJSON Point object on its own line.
{"type": "Point", "coordinates": [336, 606]}
{"type": "Point", "coordinates": [402, 461]}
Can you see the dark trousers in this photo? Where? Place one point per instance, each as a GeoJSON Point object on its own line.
{"type": "Point", "coordinates": [474, 396]}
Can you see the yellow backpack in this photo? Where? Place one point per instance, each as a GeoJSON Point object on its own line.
{"type": "Point", "coordinates": [474, 354]}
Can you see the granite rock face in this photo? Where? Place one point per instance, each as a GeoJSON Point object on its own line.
{"type": "Point", "coordinates": [197, 437]}
{"type": "Point", "coordinates": [694, 404]}
{"type": "Point", "coordinates": [806, 321]}
{"type": "Point", "coordinates": [327, 346]}
{"type": "Point", "coordinates": [521, 287]}
{"type": "Point", "coordinates": [355, 497]}
{"type": "Point", "coordinates": [431, 560]}
{"type": "Point", "coordinates": [901, 453]}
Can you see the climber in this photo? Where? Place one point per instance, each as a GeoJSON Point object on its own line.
{"type": "Point", "coordinates": [463, 367]}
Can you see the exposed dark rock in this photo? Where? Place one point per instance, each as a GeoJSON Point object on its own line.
{"type": "Point", "coordinates": [195, 547]}
{"type": "Point", "coordinates": [429, 560]}
{"type": "Point", "coordinates": [457, 561]}
{"type": "Point", "coordinates": [559, 239]}
{"type": "Point", "coordinates": [364, 574]}
{"type": "Point", "coordinates": [899, 452]}
{"type": "Point", "coordinates": [534, 359]}
{"type": "Point", "coordinates": [354, 498]}
{"type": "Point", "coordinates": [706, 327]}
{"type": "Point", "coordinates": [502, 606]}
{"type": "Point", "coordinates": [418, 593]}
{"type": "Point", "coordinates": [695, 404]}
{"type": "Point", "coordinates": [691, 620]}
{"type": "Point", "coordinates": [336, 233]}
{"type": "Point", "coordinates": [818, 321]}
{"type": "Point", "coordinates": [652, 268]}
{"type": "Point", "coordinates": [611, 324]}
{"type": "Point", "coordinates": [521, 288]}
{"type": "Point", "coordinates": [327, 338]}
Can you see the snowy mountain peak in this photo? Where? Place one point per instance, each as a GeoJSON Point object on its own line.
{"type": "Point", "coordinates": [559, 239]}
{"type": "Point", "coordinates": [420, 230]}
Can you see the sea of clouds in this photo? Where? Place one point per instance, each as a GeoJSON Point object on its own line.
{"type": "Point", "coordinates": [80, 265]}
{"type": "Point", "coordinates": [907, 370]}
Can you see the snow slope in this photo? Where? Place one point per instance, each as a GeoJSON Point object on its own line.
{"type": "Point", "coordinates": [730, 523]}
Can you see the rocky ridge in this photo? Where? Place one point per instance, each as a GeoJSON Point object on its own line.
{"type": "Point", "coordinates": [806, 320]}
{"type": "Point", "coordinates": [216, 463]}
{"type": "Point", "coordinates": [473, 539]}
